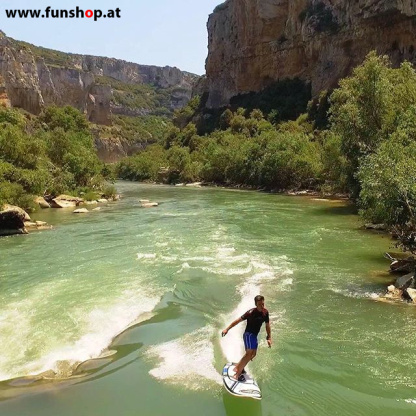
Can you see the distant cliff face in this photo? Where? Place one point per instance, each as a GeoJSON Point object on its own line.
{"type": "Point", "coordinates": [252, 43]}
{"type": "Point", "coordinates": [19, 81]}
{"type": "Point", "coordinates": [30, 79]}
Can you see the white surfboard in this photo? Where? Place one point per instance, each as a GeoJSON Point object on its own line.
{"type": "Point", "coordinates": [248, 388]}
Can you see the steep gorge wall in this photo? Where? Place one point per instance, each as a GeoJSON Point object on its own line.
{"type": "Point", "coordinates": [19, 81]}
{"type": "Point", "coordinates": [252, 43]}
{"type": "Point", "coordinates": [28, 81]}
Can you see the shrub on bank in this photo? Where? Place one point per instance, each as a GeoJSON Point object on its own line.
{"type": "Point", "coordinates": [51, 154]}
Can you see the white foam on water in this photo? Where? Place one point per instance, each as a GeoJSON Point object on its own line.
{"type": "Point", "coordinates": [91, 333]}
{"type": "Point", "coordinates": [227, 263]}
{"type": "Point", "coordinates": [220, 233]}
{"type": "Point", "coordinates": [199, 258]}
{"type": "Point", "coordinates": [16, 329]}
{"type": "Point", "coordinates": [233, 258]}
{"type": "Point", "coordinates": [373, 295]}
{"type": "Point", "coordinates": [103, 324]}
{"type": "Point", "coordinates": [222, 254]}
{"type": "Point", "coordinates": [225, 251]}
{"type": "Point", "coordinates": [356, 294]}
{"type": "Point", "coordinates": [162, 244]}
{"type": "Point", "coordinates": [227, 272]}
{"type": "Point", "coordinates": [232, 344]}
{"type": "Point", "coordinates": [187, 361]}
{"type": "Point", "coordinates": [286, 283]}
{"type": "Point", "coordinates": [184, 266]}
{"type": "Point", "coordinates": [141, 256]}
{"type": "Point", "coordinates": [178, 215]}
{"type": "Point", "coordinates": [169, 259]}
{"type": "Point", "coordinates": [260, 265]}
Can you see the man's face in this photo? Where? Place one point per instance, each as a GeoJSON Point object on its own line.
{"type": "Point", "coordinates": [260, 304]}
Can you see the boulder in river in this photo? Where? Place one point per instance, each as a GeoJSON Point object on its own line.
{"type": "Point", "coordinates": [30, 224]}
{"type": "Point", "coordinates": [66, 201]}
{"type": "Point", "coordinates": [404, 288]}
{"type": "Point", "coordinates": [37, 225]}
{"type": "Point", "coordinates": [22, 212]}
{"type": "Point", "coordinates": [371, 226]}
{"type": "Point", "coordinates": [406, 265]}
{"type": "Point", "coordinates": [12, 220]}
{"type": "Point", "coordinates": [81, 211]}
{"type": "Point", "coordinates": [41, 201]}
{"type": "Point", "coordinates": [405, 282]}
{"type": "Point", "coordinates": [393, 293]}
{"type": "Point", "coordinates": [412, 294]}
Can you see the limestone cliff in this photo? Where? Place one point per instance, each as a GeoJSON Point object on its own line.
{"type": "Point", "coordinates": [111, 150]}
{"type": "Point", "coordinates": [19, 80]}
{"type": "Point", "coordinates": [32, 77]}
{"type": "Point", "coordinates": [252, 43]}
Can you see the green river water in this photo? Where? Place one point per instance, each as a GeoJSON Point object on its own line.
{"type": "Point", "coordinates": [175, 276]}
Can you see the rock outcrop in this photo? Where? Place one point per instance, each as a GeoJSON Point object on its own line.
{"type": "Point", "coordinates": [65, 201]}
{"type": "Point", "coordinates": [30, 79]}
{"type": "Point", "coordinates": [19, 80]}
{"type": "Point", "coordinates": [40, 200]}
{"type": "Point", "coordinates": [253, 43]}
{"type": "Point", "coordinates": [12, 220]}
{"type": "Point", "coordinates": [81, 211]}
{"type": "Point", "coordinates": [111, 150]}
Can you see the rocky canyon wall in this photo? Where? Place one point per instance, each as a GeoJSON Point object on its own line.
{"type": "Point", "coordinates": [253, 43]}
{"type": "Point", "coordinates": [29, 81]}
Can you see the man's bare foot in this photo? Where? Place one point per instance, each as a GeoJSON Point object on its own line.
{"type": "Point", "coordinates": [237, 373]}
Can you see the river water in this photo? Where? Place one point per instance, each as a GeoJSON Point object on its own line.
{"type": "Point", "coordinates": [139, 298]}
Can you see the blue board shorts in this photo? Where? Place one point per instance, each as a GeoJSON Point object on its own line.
{"type": "Point", "coordinates": [250, 341]}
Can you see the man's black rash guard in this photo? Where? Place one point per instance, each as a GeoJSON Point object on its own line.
{"type": "Point", "coordinates": [255, 319]}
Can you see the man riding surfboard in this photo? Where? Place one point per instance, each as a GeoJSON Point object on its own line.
{"type": "Point", "coordinates": [255, 318]}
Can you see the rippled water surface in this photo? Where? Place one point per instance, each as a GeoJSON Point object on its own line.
{"type": "Point", "coordinates": [175, 275]}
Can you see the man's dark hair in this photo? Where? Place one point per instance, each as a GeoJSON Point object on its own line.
{"type": "Point", "coordinates": [258, 298]}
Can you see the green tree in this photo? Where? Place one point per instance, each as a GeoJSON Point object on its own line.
{"type": "Point", "coordinates": [388, 183]}
{"type": "Point", "coordinates": [67, 118]}
{"type": "Point", "coordinates": [12, 116]}
{"type": "Point", "coordinates": [225, 119]}
{"type": "Point", "coordinates": [184, 115]}
{"type": "Point", "coordinates": [19, 148]}
{"type": "Point", "coordinates": [145, 165]}
{"type": "Point", "coordinates": [365, 109]}
{"type": "Point", "coordinates": [178, 158]}
{"type": "Point", "coordinates": [388, 177]}
{"type": "Point", "coordinates": [291, 160]}
{"type": "Point", "coordinates": [334, 163]}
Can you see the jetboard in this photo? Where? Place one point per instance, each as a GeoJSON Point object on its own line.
{"type": "Point", "coordinates": [247, 388]}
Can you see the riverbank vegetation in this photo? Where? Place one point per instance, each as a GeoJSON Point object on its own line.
{"type": "Point", "coordinates": [359, 139]}
{"type": "Point", "coordinates": [50, 154]}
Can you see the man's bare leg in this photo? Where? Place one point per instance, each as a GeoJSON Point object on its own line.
{"type": "Point", "coordinates": [249, 355]}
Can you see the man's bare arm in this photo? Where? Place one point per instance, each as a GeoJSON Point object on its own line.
{"type": "Point", "coordinates": [269, 334]}
{"type": "Point", "coordinates": [233, 324]}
